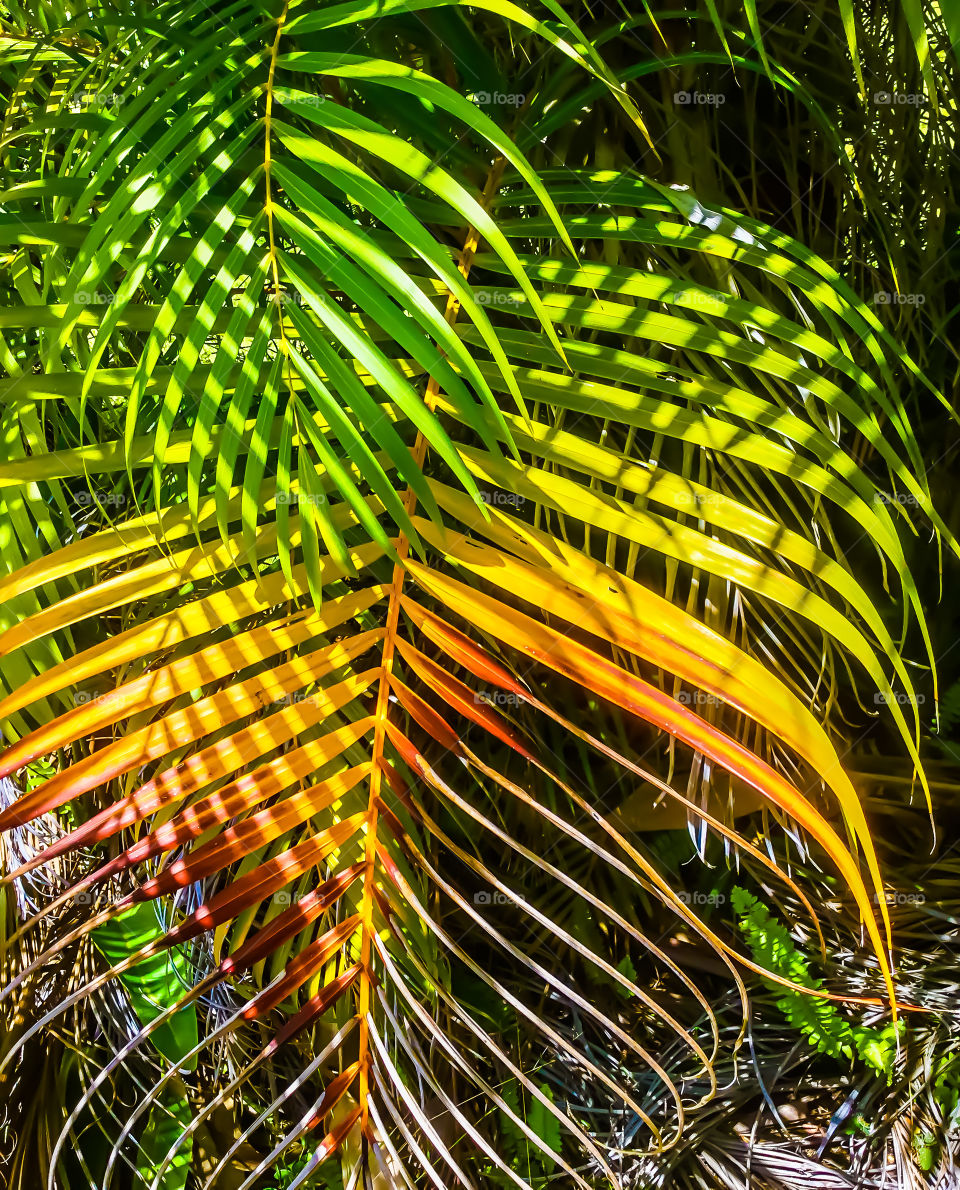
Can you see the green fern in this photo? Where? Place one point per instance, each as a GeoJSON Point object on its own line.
{"type": "Point", "coordinates": [817, 1019]}
{"type": "Point", "coordinates": [948, 711]}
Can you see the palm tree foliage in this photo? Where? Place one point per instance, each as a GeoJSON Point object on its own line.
{"type": "Point", "coordinates": [416, 483]}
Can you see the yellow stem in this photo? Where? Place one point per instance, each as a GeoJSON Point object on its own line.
{"type": "Point", "coordinates": [383, 694]}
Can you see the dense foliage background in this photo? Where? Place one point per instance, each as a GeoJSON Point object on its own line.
{"type": "Point", "coordinates": [510, 451]}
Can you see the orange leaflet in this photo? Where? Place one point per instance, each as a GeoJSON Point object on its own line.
{"type": "Point", "coordinates": [333, 1140]}
{"type": "Point", "coordinates": [424, 714]}
{"type": "Point", "coordinates": [291, 921]}
{"type": "Point", "coordinates": [334, 1092]}
{"type": "Point", "coordinates": [314, 1008]}
{"type": "Point", "coordinates": [302, 968]}
{"type": "Point", "coordinates": [565, 582]}
{"type": "Point", "coordinates": [228, 801]}
{"type": "Point", "coordinates": [231, 656]}
{"type": "Point", "coordinates": [594, 672]}
{"type": "Point", "coordinates": [459, 696]}
{"type": "Point", "coordinates": [461, 648]}
{"type": "Point", "coordinates": [195, 722]}
{"type": "Point", "coordinates": [255, 832]}
{"type": "Point", "coordinates": [257, 885]}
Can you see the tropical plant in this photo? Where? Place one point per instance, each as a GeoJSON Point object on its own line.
{"type": "Point", "coordinates": [817, 1019]}
{"type": "Point", "coordinates": [406, 501]}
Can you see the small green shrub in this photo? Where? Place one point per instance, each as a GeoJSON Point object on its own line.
{"type": "Point", "coordinates": [817, 1019]}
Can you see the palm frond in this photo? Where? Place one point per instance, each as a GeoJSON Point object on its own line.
{"type": "Point", "coordinates": [353, 459]}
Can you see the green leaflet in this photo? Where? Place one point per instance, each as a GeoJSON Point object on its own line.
{"type": "Point", "coordinates": [373, 288]}
{"type": "Point", "coordinates": [848, 15]}
{"type": "Point", "coordinates": [373, 138]}
{"type": "Point", "coordinates": [526, 1159]}
{"type": "Point", "coordinates": [357, 185]}
{"type": "Point", "coordinates": [169, 1116]}
{"type": "Point", "coordinates": [156, 983]}
{"type": "Point", "coordinates": [153, 986]}
{"type": "Point", "coordinates": [575, 46]}
{"type": "Point", "coordinates": [415, 82]}
{"type": "Point", "coordinates": [817, 1019]}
